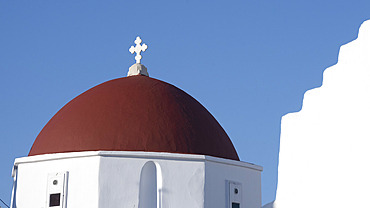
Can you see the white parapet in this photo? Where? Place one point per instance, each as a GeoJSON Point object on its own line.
{"type": "Point", "coordinates": [324, 148]}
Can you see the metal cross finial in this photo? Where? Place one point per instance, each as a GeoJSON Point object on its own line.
{"type": "Point", "coordinates": [138, 48]}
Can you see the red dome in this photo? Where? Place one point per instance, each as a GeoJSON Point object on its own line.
{"type": "Point", "coordinates": [136, 113]}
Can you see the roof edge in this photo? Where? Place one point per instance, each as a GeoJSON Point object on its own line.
{"type": "Point", "coordinates": [135, 154]}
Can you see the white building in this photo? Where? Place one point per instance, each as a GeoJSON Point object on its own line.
{"type": "Point", "coordinates": [324, 150]}
{"type": "Point", "coordinates": [134, 142]}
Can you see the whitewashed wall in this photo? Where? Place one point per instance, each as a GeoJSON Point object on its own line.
{"type": "Point", "coordinates": [183, 180]}
{"type": "Point", "coordinates": [115, 180]}
{"type": "Point", "coordinates": [325, 148]}
{"type": "Point", "coordinates": [33, 173]}
{"type": "Point", "coordinates": [219, 173]}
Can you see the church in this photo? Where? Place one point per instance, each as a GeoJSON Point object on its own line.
{"type": "Point", "coordinates": [134, 142]}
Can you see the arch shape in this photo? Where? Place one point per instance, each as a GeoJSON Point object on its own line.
{"type": "Point", "coordinates": [150, 192]}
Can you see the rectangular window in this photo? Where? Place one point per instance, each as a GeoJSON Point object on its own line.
{"type": "Point", "coordinates": [235, 205]}
{"type": "Point", "coordinates": [55, 200]}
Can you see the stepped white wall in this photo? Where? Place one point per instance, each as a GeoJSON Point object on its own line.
{"type": "Point", "coordinates": [324, 156]}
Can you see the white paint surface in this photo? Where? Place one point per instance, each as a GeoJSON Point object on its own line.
{"type": "Point", "coordinates": [82, 182]}
{"type": "Point", "coordinates": [217, 185]}
{"type": "Point", "coordinates": [113, 179]}
{"type": "Point", "coordinates": [137, 69]}
{"type": "Point", "coordinates": [325, 148]}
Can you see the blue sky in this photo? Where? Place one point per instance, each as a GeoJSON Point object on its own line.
{"type": "Point", "coordinates": [248, 62]}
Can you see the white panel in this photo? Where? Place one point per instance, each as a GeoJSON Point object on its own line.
{"type": "Point", "coordinates": [57, 190]}
{"type": "Point", "coordinates": [235, 194]}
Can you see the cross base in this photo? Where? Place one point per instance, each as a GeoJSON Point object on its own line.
{"type": "Point", "coordinates": [137, 69]}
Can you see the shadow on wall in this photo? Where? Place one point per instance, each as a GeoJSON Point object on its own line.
{"type": "Point", "coordinates": [150, 195]}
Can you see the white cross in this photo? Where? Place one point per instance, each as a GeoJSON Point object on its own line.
{"type": "Point", "coordinates": [138, 48]}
